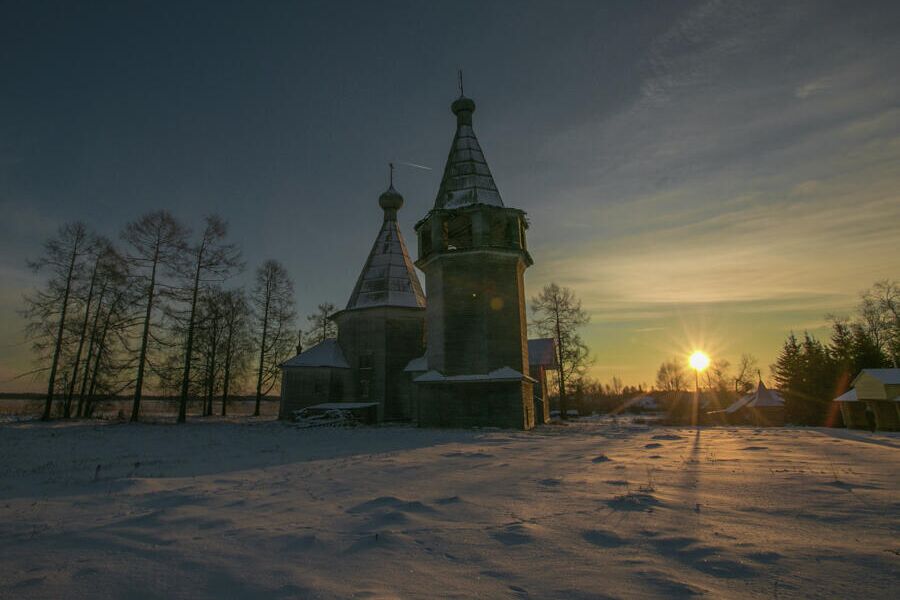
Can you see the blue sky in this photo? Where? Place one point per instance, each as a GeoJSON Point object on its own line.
{"type": "Point", "coordinates": [700, 173]}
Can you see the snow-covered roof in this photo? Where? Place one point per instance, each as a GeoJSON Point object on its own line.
{"type": "Point", "coordinates": [501, 374]}
{"type": "Point", "coordinates": [885, 376]}
{"type": "Point", "coordinates": [761, 398]}
{"type": "Point", "coordinates": [848, 396]}
{"type": "Point", "coordinates": [326, 353]}
{"type": "Point", "coordinates": [417, 364]}
{"type": "Point", "coordinates": [388, 277]}
{"type": "Point", "coordinates": [542, 352]}
{"type": "Point", "coordinates": [467, 178]}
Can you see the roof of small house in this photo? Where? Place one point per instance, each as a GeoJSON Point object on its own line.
{"type": "Point", "coordinates": [417, 364]}
{"type": "Point", "coordinates": [467, 179]}
{"type": "Point", "coordinates": [542, 352]}
{"type": "Point", "coordinates": [388, 277]}
{"type": "Point", "coordinates": [848, 396]}
{"type": "Point", "coordinates": [501, 374]}
{"type": "Point", "coordinates": [326, 353]}
{"type": "Point", "coordinates": [885, 376]}
{"type": "Point", "coordinates": [761, 398]}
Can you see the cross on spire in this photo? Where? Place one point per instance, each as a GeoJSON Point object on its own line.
{"type": "Point", "coordinates": [391, 180]}
{"type": "Point", "coordinates": [460, 84]}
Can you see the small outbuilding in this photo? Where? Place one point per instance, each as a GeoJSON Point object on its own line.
{"type": "Point", "coordinates": [763, 408]}
{"type": "Point", "coordinates": [541, 358]}
{"type": "Point", "coordinates": [853, 411]}
{"type": "Point", "coordinates": [876, 391]}
{"type": "Point", "coordinates": [319, 375]}
{"type": "Point", "coordinates": [642, 402]}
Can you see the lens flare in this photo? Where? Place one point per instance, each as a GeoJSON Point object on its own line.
{"type": "Point", "coordinates": [699, 361]}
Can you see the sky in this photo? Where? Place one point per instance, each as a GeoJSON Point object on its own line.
{"type": "Point", "coordinates": [707, 174]}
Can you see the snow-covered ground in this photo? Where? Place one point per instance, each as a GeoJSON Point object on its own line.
{"type": "Point", "coordinates": [593, 510]}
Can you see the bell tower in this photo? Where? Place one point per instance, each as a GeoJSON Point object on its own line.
{"type": "Point", "coordinates": [473, 252]}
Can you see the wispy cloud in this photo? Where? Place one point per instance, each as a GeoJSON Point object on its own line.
{"type": "Point", "coordinates": [755, 174]}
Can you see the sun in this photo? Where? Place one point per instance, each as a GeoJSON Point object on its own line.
{"type": "Point", "coordinates": [699, 360]}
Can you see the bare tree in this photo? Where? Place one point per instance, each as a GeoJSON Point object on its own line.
{"type": "Point", "coordinates": [273, 303]}
{"type": "Point", "coordinates": [557, 313]}
{"type": "Point", "coordinates": [99, 251]}
{"type": "Point", "coordinates": [321, 327]}
{"type": "Point", "coordinates": [62, 259]}
{"type": "Point", "coordinates": [212, 260]}
{"type": "Point", "coordinates": [615, 386]}
{"type": "Point", "coordinates": [747, 372]}
{"type": "Point", "coordinates": [671, 377]}
{"type": "Point", "coordinates": [236, 350]}
{"type": "Point", "coordinates": [879, 312]}
{"type": "Point", "coordinates": [110, 310]}
{"type": "Point", "coordinates": [211, 330]}
{"type": "Point", "coordinates": [718, 376]}
{"type": "Point", "coordinates": [156, 246]}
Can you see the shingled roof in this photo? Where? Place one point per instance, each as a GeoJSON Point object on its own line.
{"type": "Point", "coordinates": [388, 278]}
{"type": "Point", "coordinates": [467, 179]}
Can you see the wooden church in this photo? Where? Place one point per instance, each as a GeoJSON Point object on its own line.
{"type": "Point", "coordinates": [461, 358]}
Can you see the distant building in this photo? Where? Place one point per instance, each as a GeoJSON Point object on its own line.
{"type": "Point", "coordinates": [541, 358]}
{"type": "Point", "coordinates": [873, 400]}
{"type": "Point", "coordinates": [763, 407]}
{"type": "Point", "coordinates": [642, 402]}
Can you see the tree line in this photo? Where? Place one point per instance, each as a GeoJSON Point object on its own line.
{"type": "Point", "coordinates": [157, 309]}
{"type": "Point", "coordinates": [810, 373]}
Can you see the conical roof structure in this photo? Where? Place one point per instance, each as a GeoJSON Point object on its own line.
{"type": "Point", "coordinates": [467, 179]}
{"type": "Point", "coordinates": [761, 398]}
{"type": "Point", "coordinates": [388, 277]}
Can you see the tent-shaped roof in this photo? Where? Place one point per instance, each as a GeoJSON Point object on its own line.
{"type": "Point", "coordinates": [467, 179]}
{"type": "Point", "coordinates": [388, 277]}
{"type": "Point", "coordinates": [326, 353]}
{"type": "Point", "coordinates": [761, 398]}
{"type": "Point", "coordinates": [542, 353]}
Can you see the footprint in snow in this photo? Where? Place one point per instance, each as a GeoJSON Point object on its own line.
{"type": "Point", "coordinates": [603, 539]}
{"type": "Point", "coordinates": [514, 535]}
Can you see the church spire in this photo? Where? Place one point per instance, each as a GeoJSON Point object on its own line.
{"type": "Point", "coordinates": [467, 178]}
{"type": "Point", "coordinates": [388, 277]}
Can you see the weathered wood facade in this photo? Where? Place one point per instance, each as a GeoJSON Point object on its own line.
{"type": "Point", "coordinates": [473, 252]}
{"type": "Point", "coordinates": [379, 331]}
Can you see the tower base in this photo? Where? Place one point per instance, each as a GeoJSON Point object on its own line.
{"type": "Point", "coordinates": [504, 404]}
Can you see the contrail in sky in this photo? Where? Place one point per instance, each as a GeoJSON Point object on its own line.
{"type": "Point", "coordinates": [409, 164]}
